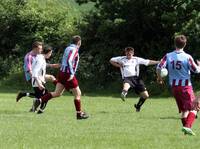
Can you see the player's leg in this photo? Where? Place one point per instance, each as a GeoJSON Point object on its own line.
{"type": "Point", "coordinates": [77, 102]}
{"type": "Point", "coordinates": [184, 98]}
{"type": "Point", "coordinates": [189, 120]}
{"type": "Point", "coordinates": [125, 89]}
{"type": "Point", "coordinates": [184, 116]}
{"type": "Point", "coordinates": [141, 90]}
{"type": "Point", "coordinates": [51, 78]}
{"type": "Point", "coordinates": [21, 94]}
{"type": "Point", "coordinates": [44, 99]}
{"type": "Point", "coordinates": [143, 96]}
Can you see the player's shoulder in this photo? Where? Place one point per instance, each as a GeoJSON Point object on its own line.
{"type": "Point", "coordinates": [39, 57]}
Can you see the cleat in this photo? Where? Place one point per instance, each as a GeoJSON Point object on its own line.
{"type": "Point", "coordinates": [36, 104]}
{"type": "Point", "coordinates": [137, 108]}
{"type": "Point", "coordinates": [31, 110]}
{"type": "Point", "coordinates": [188, 131]}
{"type": "Point", "coordinates": [123, 95]}
{"type": "Point", "coordinates": [40, 111]}
{"type": "Point", "coordinates": [43, 106]}
{"type": "Point", "coordinates": [19, 96]}
{"type": "Point", "coordinates": [81, 116]}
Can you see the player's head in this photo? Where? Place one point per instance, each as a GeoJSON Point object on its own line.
{"type": "Point", "coordinates": [76, 40]}
{"type": "Point", "coordinates": [37, 47]}
{"type": "Point", "coordinates": [129, 51]}
{"type": "Point", "coordinates": [47, 51]}
{"type": "Point", "coordinates": [180, 41]}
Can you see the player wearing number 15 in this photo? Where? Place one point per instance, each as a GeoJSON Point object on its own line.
{"type": "Point", "coordinates": [179, 65]}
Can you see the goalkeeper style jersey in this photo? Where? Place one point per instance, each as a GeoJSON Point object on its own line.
{"type": "Point", "coordinates": [179, 65]}
{"type": "Point", "coordinates": [38, 70]}
{"type": "Point", "coordinates": [130, 66]}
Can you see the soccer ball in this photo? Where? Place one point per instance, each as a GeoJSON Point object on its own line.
{"type": "Point", "coordinates": [163, 72]}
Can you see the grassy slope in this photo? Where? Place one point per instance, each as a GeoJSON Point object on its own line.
{"type": "Point", "coordinates": [113, 124]}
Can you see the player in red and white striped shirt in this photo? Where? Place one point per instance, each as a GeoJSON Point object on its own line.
{"type": "Point", "coordinates": [67, 79]}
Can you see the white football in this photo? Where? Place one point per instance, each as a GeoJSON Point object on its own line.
{"type": "Point", "coordinates": [163, 72]}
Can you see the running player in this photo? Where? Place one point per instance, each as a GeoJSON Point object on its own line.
{"type": "Point", "coordinates": [179, 65]}
{"type": "Point", "coordinates": [67, 79]}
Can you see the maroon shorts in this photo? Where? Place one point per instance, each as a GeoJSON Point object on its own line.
{"type": "Point", "coordinates": [63, 77]}
{"type": "Point", "coordinates": [184, 96]}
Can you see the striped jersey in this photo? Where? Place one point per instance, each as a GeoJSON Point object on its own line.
{"type": "Point", "coordinates": [38, 70]}
{"type": "Point", "coordinates": [70, 59]}
{"type": "Point", "coordinates": [179, 65]}
{"type": "Point", "coordinates": [28, 60]}
{"type": "Point", "coordinates": [130, 66]}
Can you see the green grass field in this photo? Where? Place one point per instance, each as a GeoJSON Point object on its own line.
{"type": "Point", "coordinates": [113, 124]}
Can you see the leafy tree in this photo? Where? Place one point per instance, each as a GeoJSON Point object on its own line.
{"type": "Point", "coordinates": [147, 25]}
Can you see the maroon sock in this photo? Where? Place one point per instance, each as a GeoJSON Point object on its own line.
{"type": "Point", "coordinates": [55, 82]}
{"type": "Point", "coordinates": [46, 97]}
{"type": "Point", "coordinates": [77, 104]}
{"type": "Point", "coordinates": [183, 121]}
{"type": "Point", "coordinates": [190, 120]}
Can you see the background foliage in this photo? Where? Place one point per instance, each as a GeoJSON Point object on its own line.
{"type": "Point", "coordinates": [107, 27]}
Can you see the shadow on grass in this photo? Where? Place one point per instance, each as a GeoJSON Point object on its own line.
{"type": "Point", "coordinates": [169, 118]}
{"type": "Point", "coordinates": [11, 112]}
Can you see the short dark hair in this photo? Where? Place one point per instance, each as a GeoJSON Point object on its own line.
{"type": "Point", "coordinates": [47, 49]}
{"type": "Point", "coordinates": [76, 39]}
{"type": "Point", "coordinates": [36, 44]}
{"type": "Point", "coordinates": [180, 41]}
{"type": "Point", "coordinates": [128, 49]}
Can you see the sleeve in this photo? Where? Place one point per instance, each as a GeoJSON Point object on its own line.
{"type": "Point", "coordinates": [71, 57]}
{"type": "Point", "coordinates": [76, 63]}
{"type": "Point", "coordinates": [117, 59]}
{"type": "Point", "coordinates": [163, 63]}
{"type": "Point", "coordinates": [29, 63]}
{"type": "Point", "coordinates": [36, 67]}
{"type": "Point", "coordinates": [193, 66]}
{"type": "Point", "coordinates": [142, 61]}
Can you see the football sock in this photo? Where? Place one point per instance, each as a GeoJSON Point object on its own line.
{"type": "Point", "coordinates": [32, 95]}
{"type": "Point", "coordinates": [190, 120]}
{"type": "Point", "coordinates": [77, 104]}
{"type": "Point", "coordinates": [140, 102]}
{"type": "Point", "coordinates": [183, 120]}
{"type": "Point", "coordinates": [55, 82]}
{"type": "Point", "coordinates": [46, 97]}
{"type": "Point", "coordinates": [124, 92]}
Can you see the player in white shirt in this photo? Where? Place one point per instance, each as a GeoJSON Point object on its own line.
{"type": "Point", "coordinates": [39, 74]}
{"type": "Point", "coordinates": [129, 67]}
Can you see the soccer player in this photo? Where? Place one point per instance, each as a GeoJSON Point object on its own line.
{"type": "Point", "coordinates": [129, 66]}
{"type": "Point", "coordinates": [38, 75]}
{"type": "Point", "coordinates": [179, 65]}
{"type": "Point", "coordinates": [67, 79]}
{"type": "Point", "coordinates": [37, 48]}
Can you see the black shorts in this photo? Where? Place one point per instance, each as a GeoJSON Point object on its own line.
{"type": "Point", "coordinates": [39, 93]}
{"type": "Point", "coordinates": [136, 83]}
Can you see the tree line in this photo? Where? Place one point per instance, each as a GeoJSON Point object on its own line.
{"type": "Point", "coordinates": [147, 25]}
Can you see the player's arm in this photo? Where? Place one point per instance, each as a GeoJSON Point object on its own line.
{"type": "Point", "coordinates": [29, 65]}
{"type": "Point", "coordinates": [161, 64]}
{"type": "Point", "coordinates": [53, 65]}
{"type": "Point", "coordinates": [152, 62]}
{"type": "Point", "coordinates": [72, 55]}
{"type": "Point", "coordinates": [116, 62]}
{"type": "Point", "coordinates": [35, 74]}
{"type": "Point", "coordinates": [193, 66]}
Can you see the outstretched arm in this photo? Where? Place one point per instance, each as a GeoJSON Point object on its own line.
{"type": "Point", "coordinates": [152, 62]}
{"type": "Point", "coordinates": [116, 64]}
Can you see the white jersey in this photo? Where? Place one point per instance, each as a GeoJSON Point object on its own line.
{"type": "Point", "coordinates": [38, 70]}
{"type": "Point", "coordinates": [130, 66]}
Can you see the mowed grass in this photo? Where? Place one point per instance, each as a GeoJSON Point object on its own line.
{"type": "Point", "coordinates": [113, 124]}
